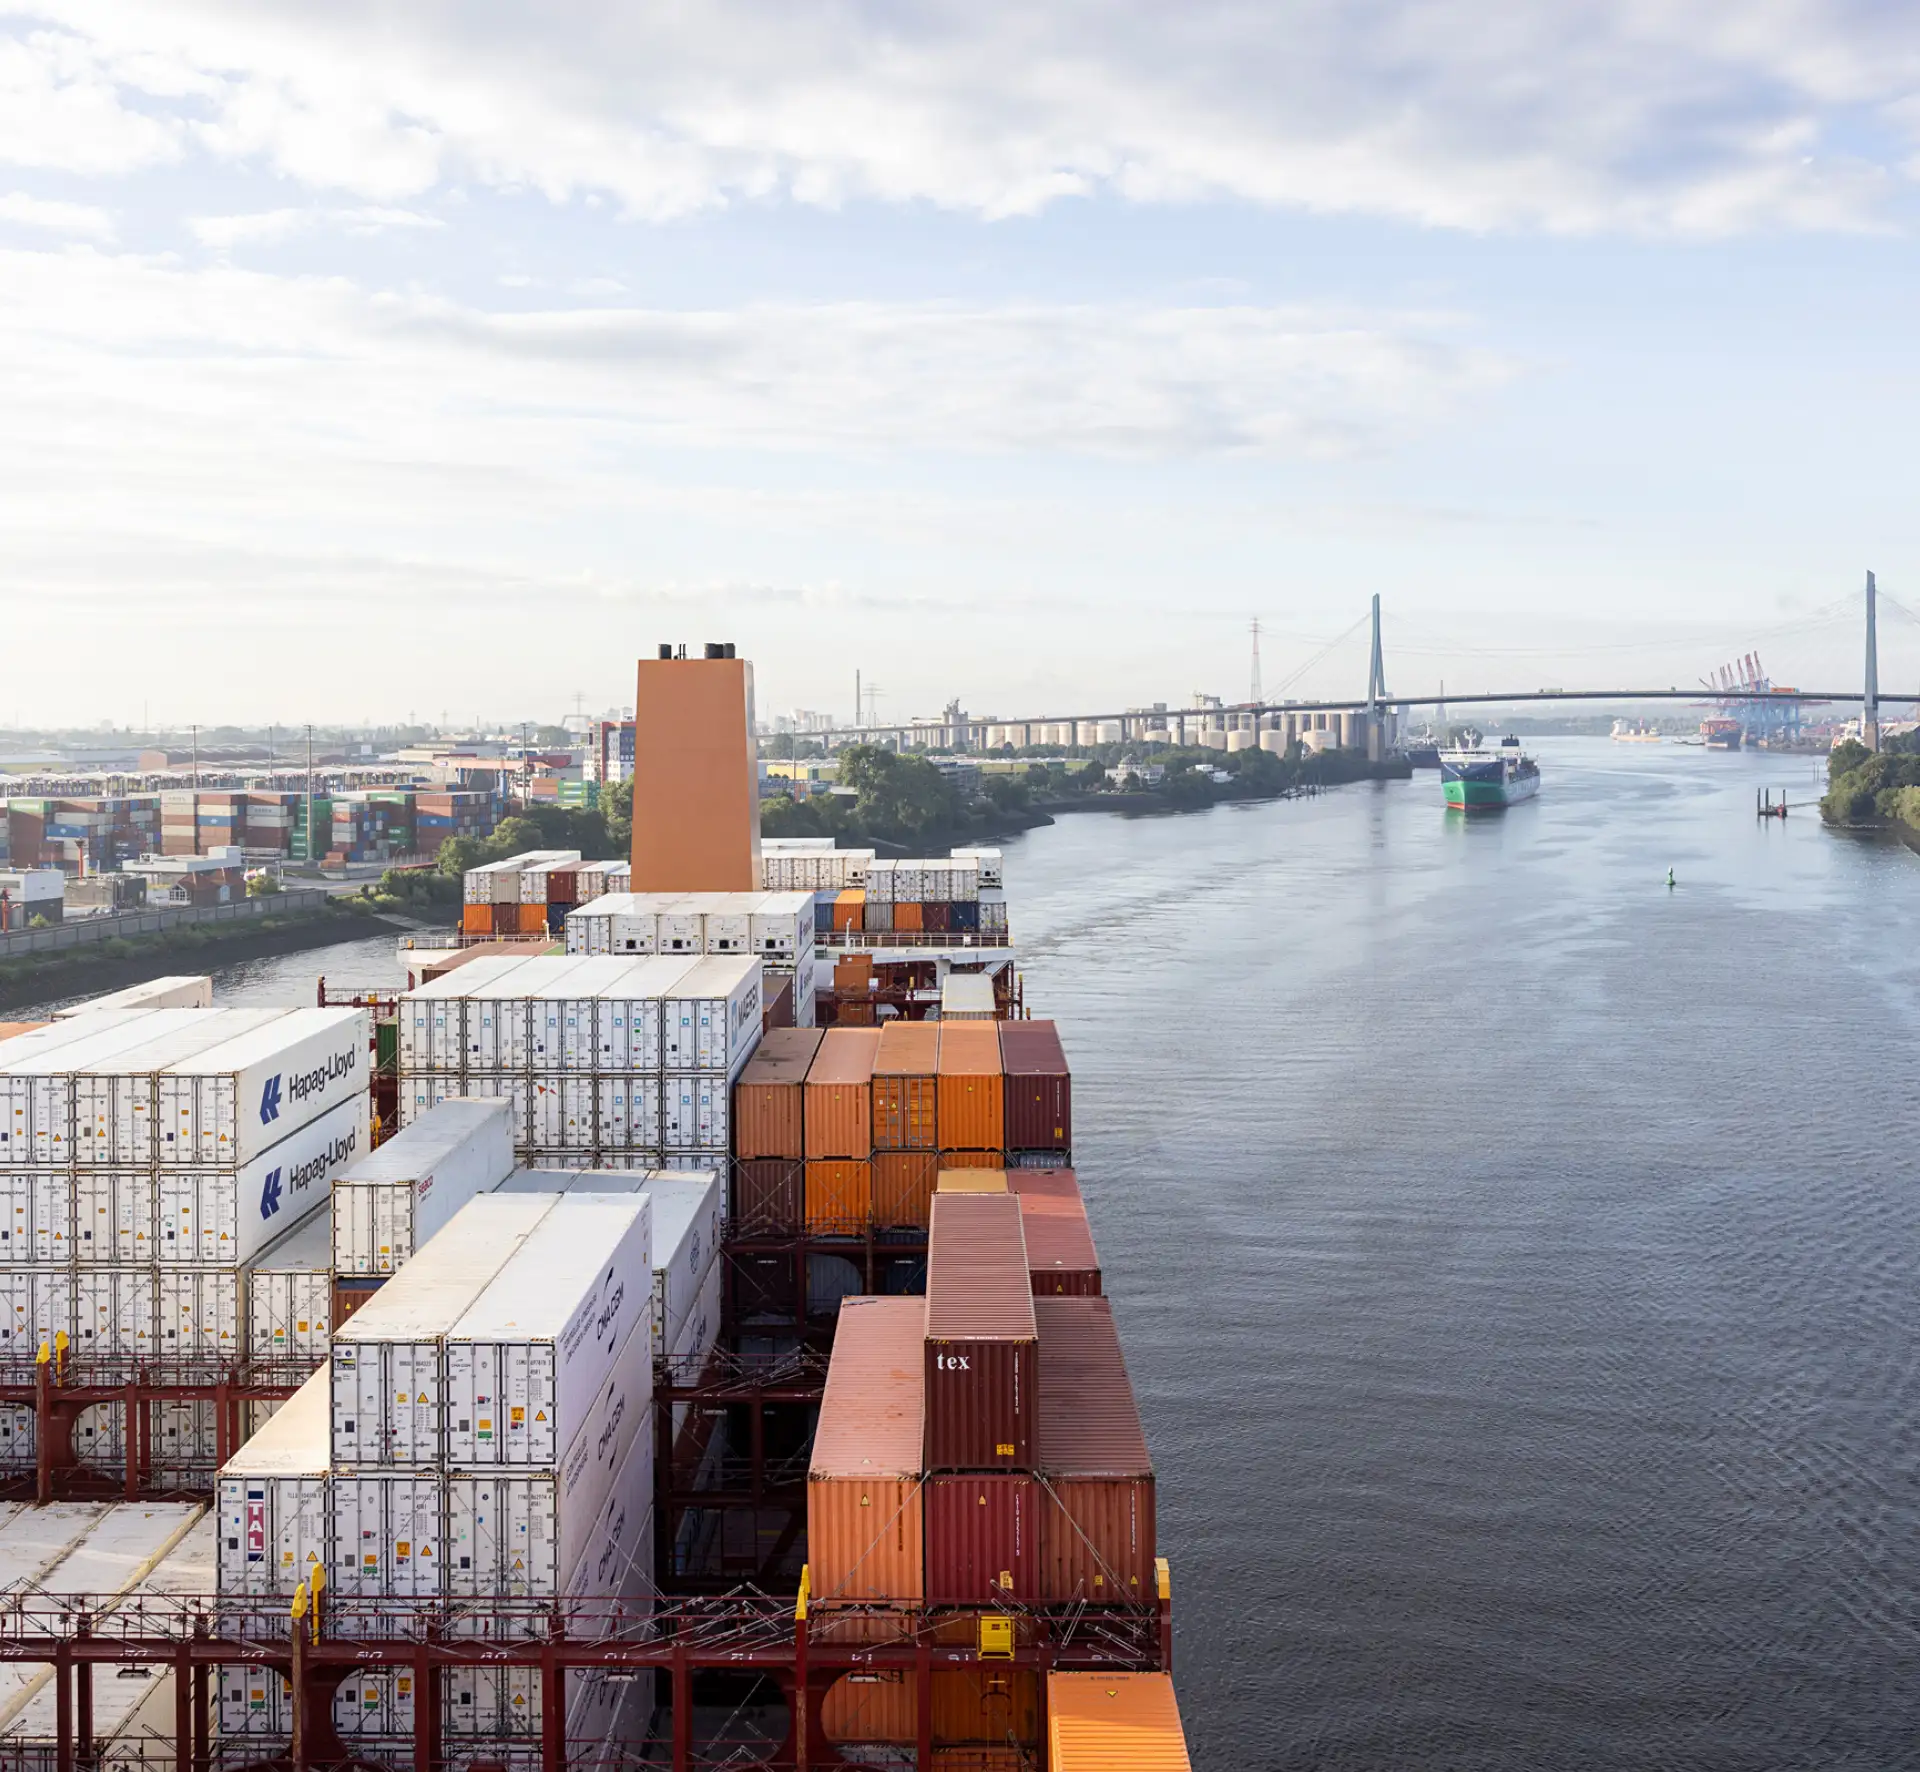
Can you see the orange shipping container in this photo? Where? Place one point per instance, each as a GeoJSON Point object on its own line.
{"type": "Point", "coordinates": [907, 919]}
{"type": "Point", "coordinates": [839, 1100]}
{"type": "Point", "coordinates": [476, 919]}
{"type": "Point", "coordinates": [873, 1709]}
{"type": "Point", "coordinates": [533, 919]}
{"type": "Point", "coordinates": [850, 909]}
{"type": "Point", "coordinates": [769, 1099]}
{"type": "Point", "coordinates": [978, 1163]}
{"type": "Point", "coordinates": [906, 1087]}
{"type": "Point", "coordinates": [839, 1196]}
{"type": "Point", "coordinates": [863, 1483]}
{"type": "Point", "coordinates": [1114, 1722]}
{"type": "Point", "coordinates": [972, 1091]}
{"type": "Point", "coordinates": [972, 1707]}
{"type": "Point", "coordinates": [903, 1188]}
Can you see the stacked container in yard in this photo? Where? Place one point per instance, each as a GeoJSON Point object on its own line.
{"type": "Point", "coordinates": [839, 1132]}
{"type": "Point", "coordinates": [972, 1092]}
{"type": "Point", "coordinates": [1060, 1251]}
{"type": "Point", "coordinates": [982, 1358]}
{"type": "Point", "coordinates": [150, 1159]}
{"type": "Point", "coordinates": [1038, 1093]}
{"type": "Point", "coordinates": [769, 1138]}
{"type": "Point", "coordinates": [906, 1127]}
{"type": "Point", "coordinates": [615, 1063]}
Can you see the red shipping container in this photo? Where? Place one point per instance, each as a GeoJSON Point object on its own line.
{"type": "Point", "coordinates": [982, 1342]}
{"type": "Point", "coordinates": [1060, 1252]}
{"type": "Point", "coordinates": [1039, 1088]}
{"type": "Point", "coordinates": [769, 1196]}
{"type": "Point", "coordinates": [980, 1538]}
{"type": "Point", "coordinates": [1096, 1538]}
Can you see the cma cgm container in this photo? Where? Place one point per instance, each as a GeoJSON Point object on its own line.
{"type": "Point", "coordinates": [769, 1099]}
{"type": "Point", "coordinates": [906, 1071]}
{"type": "Point", "coordinates": [387, 1358]}
{"type": "Point", "coordinates": [839, 1103]}
{"type": "Point", "coordinates": [392, 1200]}
{"type": "Point", "coordinates": [864, 1519]}
{"type": "Point", "coordinates": [1060, 1251]}
{"type": "Point", "coordinates": [982, 1349]}
{"type": "Point", "coordinates": [1096, 1526]}
{"type": "Point", "coordinates": [228, 1104]}
{"type": "Point", "coordinates": [1114, 1722]}
{"type": "Point", "coordinates": [972, 1088]}
{"type": "Point", "coordinates": [271, 1502]}
{"type": "Point", "coordinates": [528, 1357]}
{"type": "Point", "coordinates": [1039, 1090]}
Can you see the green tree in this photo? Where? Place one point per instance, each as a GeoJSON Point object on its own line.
{"type": "Point", "coordinates": [460, 854]}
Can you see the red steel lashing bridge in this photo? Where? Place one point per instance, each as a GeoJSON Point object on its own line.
{"type": "Point", "coordinates": [802, 1649]}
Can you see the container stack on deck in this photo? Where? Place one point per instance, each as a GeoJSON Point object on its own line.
{"type": "Point", "coordinates": [149, 1161]}
{"type": "Point", "coordinates": [532, 893]}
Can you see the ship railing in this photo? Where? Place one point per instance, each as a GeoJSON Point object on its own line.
{"type": "Point", "coordinates": [935, 939]}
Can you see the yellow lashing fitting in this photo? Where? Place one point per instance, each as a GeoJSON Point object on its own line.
{"type": "Point", "coordinates": [1163, 1578]}
{"type": "Point", "coordinates": [996, 1637]}
{"type": "Point", "coordinates": [806, 1590]}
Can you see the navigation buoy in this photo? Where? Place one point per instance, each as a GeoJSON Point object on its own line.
{"type": "Point", "coordinates": [1670, 878]}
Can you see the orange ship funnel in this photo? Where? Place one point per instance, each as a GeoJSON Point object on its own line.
{"type": "Point", "coordinates": [696, 774]}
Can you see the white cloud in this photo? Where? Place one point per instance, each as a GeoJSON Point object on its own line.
{"type": "Point", "coordinates": [57, 218]}
{"type": "Point", "coordinates": [63, 110]}
{"type": "Point", "coordinates": [1587, 115]}
{"type": "Point", "coordinates": [270, 226]}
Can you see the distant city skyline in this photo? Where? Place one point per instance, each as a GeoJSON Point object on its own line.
{"type": "Point", "coordinates": [359, 358]}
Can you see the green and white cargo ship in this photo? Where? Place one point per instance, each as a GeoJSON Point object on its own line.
{"type": "Point", "coordinates": [1477, 778]}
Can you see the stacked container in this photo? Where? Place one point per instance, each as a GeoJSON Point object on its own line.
{"type": "Point", "coordinates": [839, 1132]}
{"type": "Point", "coordinates": [769, 1138]}
{"type": "Point", "coordinates": [906, 1131]}
{"type": "Point", "coordinates": [148, 1161]}
{"type": "Point", "coordinates": [827, 869]}
{"type": "Point", "coordinates": [389, 1203]}
{"type": "Point", "coordinates": [1060, 1252]}
{"type": "Point", "coordinates": [1038, 1093]}
{"type": "Point", "coordinates": [1097, 1722]}
{"type": "Point", "coordinates": [972, 1090]}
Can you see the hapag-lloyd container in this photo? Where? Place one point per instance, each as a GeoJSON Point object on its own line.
{"type": "Point", "coordinates": [982, 1349]}
{"type": "Point", "coordinates": [865, 1533]}
{"type": "Point", "coordinates": [39, 1222]}
{"type": "Point", "coordinates": [769, 1098]}
{"type": "Point", "coordinates": [839, 1101]}
{"type": "Point", "coordinates": [1038, 1088]}
{"type": "Point", "coordinates": [527, 1358]}
{"type": "Point", "coordinates": [271, 1500]}
{"type": "Point", "coordinates": [225, 1106]}
{"type": "Point", "coordinates": [906, 1071]}
{"type": "Point", "coordinates": [386, 1360]}
{"type": "Point", "coordinates": [180, 991]}
{"type": "Point", "coordinates": [115, 1098]}
{"type": "Point", "coordinates": [982, 1532]}
{"type": "Point", "coordinates": [289, 1302]}
{"type": "Point", "coordinates": [710, 1019]}
{"type": "Point", "coordinates": [972, 1087]}
{"type": "Point", "coordinates": [386, 1205]}
{"type": "Point", "coordinates": [226, 1216]}
{"type": "Point", "coordinates": [36, 1077]}
{"type": "Point", "coordinates": [1114, 1722]}
{"type": "Point", "coordinates": [1096, 1526]}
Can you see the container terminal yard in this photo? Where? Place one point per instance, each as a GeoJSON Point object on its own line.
{"type": "Point", "coordinates": [669, 1333]}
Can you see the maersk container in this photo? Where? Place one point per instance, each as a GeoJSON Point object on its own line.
{"type": "Point", "coordinates": [386, 1205]}
{"type": "Point", "coordinates": [683, 925]}
{"type": "Point", "coordinates": [289, 1295]}
{"type": "Point", "coordinates": [781, 927]}
{"type": "Point", "coordinates": [527, 1359]}
{"type": "Point", "coordinates": [386, 1357]}
{"type": "Point", "coordinates": [226, 1216]}
{"type": "Point", "coordinates": [227, 1105]}
{"type": "Point", "coordinates": [560, 1113]}
{"type": "Point", "coordinates": [271, 1501]}
{"type": "Point", "coordinates": [695, 1114]}
{"type": "Point", "coordinates": [710, 1020]}
{"type": "Point", "coordinates": [688, 1211]}
{"type": "Point", "coordinates": [522, 1535]}
{"type": "Point", "coordinates": [433, 1017]}
{"type": "Point", "coordinates": [629, 1024]}
{"type": "Point", "coordinates": [565, 1015]}
{"type": "Point", "coordinates": [115, 1098]}
{"type": "Point", "coordinates": [628, 1114]}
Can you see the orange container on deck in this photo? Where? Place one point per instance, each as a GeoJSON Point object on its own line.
{"type": "Point", "coordinates": [839, 1100]}
{"type": "Point", "coordinates": [972, 1088]}
{"type": "Point", "coordinates": [476, 919]}
{"type": "Point", "coordinates": [906, 1087]}
{"type": "Point", "coordinates": [907, 919]}
{"type": "Point", "coordinates": [850, 909]}
{"type": "Point", "coordinates": [960, 1178]}
{"type": "Point", "coordinates": [769, 1100]}
{"type": "Point", "coordinates": [533, 918]}
{"type": "Point", "coordinates": [903, 1188]}
{"type": "Point", "coordinates": [864, 1523]}
{"type": "Point", "coordinates": [839, 1196]}
{"type": "Point", "coordinates": [1114, 1722]}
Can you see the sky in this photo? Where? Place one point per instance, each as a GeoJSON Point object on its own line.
{"type": "Point", "coordinates": [434, 361]}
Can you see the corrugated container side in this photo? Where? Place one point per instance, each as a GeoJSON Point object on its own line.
{"type": "Point", "coordinates": [906, 1074]}
{"type": "Point", "coordinates": [769, 1099]}
{"type": "Point", "coordinates": [972, 1088]}
{"type": "Point", "coordinates": [981, 1532]}
{"type": "Point", "coordinates": [1060, 1249]}
{"type": "Point", "coordinates": [982, 1336]}
{"type": "Point", "coordinates": [839, 1098]}
{"type": "Point", "coordinates": [839, 1196]}
{"type": "Point", "coordinates": [769, 1195]}
{"type": "Point", "coordinates": [903, 1184]}
{"type": "Point", "coordinates": [1038, 1087]}
{"type": "Point", "coordinates": [1114, 1722]}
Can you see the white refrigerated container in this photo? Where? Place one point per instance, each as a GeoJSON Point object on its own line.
{"type": "Point", "coordinates": [527, 1360]}
{"type": "Point", "coordinates": [386, 1531]}
{"type": "Point", "coordinates": [271, 1500]}
{"type": "Point", "coordinates": [36, 1078]}
{"type": "Point", "coordinates": [628, 1028]}
{"type": "Point", "coordinates": [781, 927]}
{"type": "Point", "coordinates": [386, 1358]}
{"type": "Point", "coordinates": [695, 1116]}
{"type": "Point", "coordinates": [688, 1210]}
{"type": "Point", "coordinates": [182, 991]}
{"type": "Point", "coordinates": [225, 1216]}
{"type": "Point", "coordinates": [289, 1295]}
{"type": "Point", "coordinates": [226, 1105]}
{"type": "Point", "coordinates": [710, 1018]}
{"type": "Point", "coordinates": [391, 1201]}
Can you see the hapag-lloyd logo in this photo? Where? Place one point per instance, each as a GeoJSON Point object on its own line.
{"type": "Point", "coordinates": [301, 1084]}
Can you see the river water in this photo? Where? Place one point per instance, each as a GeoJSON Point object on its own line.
{"type": "Point", "coordinates": [1517, 1259]}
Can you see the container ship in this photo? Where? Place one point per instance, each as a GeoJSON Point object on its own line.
{"type": "Point", "coordinates": [1634, 732]}
{"type": "Point", "coordinates": [668, 1331]}
{"type": "Point", "coordinates": [1476, 778]}
{"type": "Point", "coordinates": [1722, 734]}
